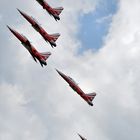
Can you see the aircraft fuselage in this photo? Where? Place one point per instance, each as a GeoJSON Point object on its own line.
{"type": "Point", "coordinates": [75, 87]}
{"type": "Point", "coordinates": [26, 43]}
{"type": "Point", "coordinates": [39, 29]}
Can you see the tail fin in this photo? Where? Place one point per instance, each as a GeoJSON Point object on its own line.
{"type": "Point", "coordinates": [91, 96]}
{"type": "Point", "coordinates": [55, 36]}
{"type": "Point", "coordinates": [58, 10]}
{"type": "Point", "coordinates": [45, 55]}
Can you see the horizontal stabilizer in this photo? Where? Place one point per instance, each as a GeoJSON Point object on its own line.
{"type": "Point", "coordinates": [55, 36]}
{"type": "Point", "coordinates": [45, 55]}
{"type": "Point", "coordinates": [91, 96]}
{"type": "Point", "coordinates": [58, 10]}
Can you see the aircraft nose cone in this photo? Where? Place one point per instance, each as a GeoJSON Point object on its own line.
{"type": "Point", "coordinates": [20, 12]}
{"type": "Point", "coordinates": [57, 71]}
{"type": "Point", "coordinates": [10, 28]}
{"type": "Point", "coordinates": [18, 9]}
{"type": "Point", "coordinates": [60, 73]}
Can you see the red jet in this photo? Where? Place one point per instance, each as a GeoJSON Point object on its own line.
{"type": "Point", "coordinates": [87, 97]}
{"type": "Point", "coordinates": [41, 57]}
{"type": "Point", "coordinates": [51, 38]}
{"type": "Point", "coordinates": [82, 137]}
{"type": "Point", "coordinates": [55, 12]}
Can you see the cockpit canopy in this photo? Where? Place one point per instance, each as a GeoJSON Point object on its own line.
{"type": "Point", "coordinates": [24, 37]}
{"type": "Point", "coordinates": [72, 80]}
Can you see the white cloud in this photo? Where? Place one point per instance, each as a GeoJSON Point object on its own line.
{"type": "Point", "coordinates": [103, 19]}
{"type": "Point", "coordinates": [17, 121]}
{"type": "Point", "coordinates": [51, 106]}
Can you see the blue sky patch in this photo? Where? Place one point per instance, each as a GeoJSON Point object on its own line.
{"type": "Point", "coordinates": [94, 26]}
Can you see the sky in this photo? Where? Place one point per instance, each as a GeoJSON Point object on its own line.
{"type": "Point", "coordinates": [94, 26]}
{"type": "Point", "coordinates": [37, 104]}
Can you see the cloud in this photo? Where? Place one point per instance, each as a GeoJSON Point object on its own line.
{"type": "Point", "coordinates": [44, 102]}
{"type": "Point", "coordinates": [103, 19]}
{"type": "Point", "coordinates": [31, 104]}
{"type": "Point", "coordinates": [16, 120]}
